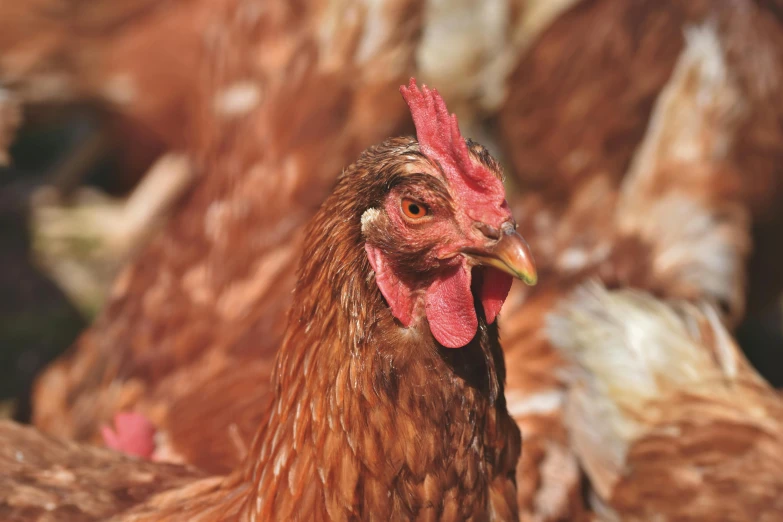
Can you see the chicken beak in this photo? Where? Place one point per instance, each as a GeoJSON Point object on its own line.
{"type": "Point", "coordinates": [511, 254]}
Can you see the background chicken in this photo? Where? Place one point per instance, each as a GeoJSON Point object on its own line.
{"type": "Point", "coordinates": [667, 417]}
{"type": "Point", "coordinates": [126, 70]}
{"type": "Point", "coordinates": [677, 225]}
{"type": "Point", "coordinates": [56, 479]}
{"type": "Point", "coordinates": [238, 298]}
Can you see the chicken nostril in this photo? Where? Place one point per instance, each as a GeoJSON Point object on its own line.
{"type": "Point", "coordinates": [489, 231]}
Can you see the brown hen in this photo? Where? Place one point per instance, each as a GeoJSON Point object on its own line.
{"type": "Point", "coordinates": [392, 330]}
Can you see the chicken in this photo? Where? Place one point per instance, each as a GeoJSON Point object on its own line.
{"type": "Point", "coordinates": [292, 97]}
{"type": "Point", "coordinates": [675, 224]}
{"type": "Point", "coordinates": [668, 419]}
{"type": "Point", "coordinates": [131, 65]}
{"type": "Point", "coordinates": [136, 57]}
{"type": "Point", "coordinates": [140, 58]}
{"type": "Point", "coordinates": [132, 62]}
{"type": "Point", "coordinates": [57, 480]}
{"type": "Point", "coordinates": [392, 330]}
{"type": "Point", "coordinates": [595, 74]}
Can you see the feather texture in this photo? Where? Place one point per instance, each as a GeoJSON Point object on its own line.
{"type": "Point", "coordinates": [667, 417]}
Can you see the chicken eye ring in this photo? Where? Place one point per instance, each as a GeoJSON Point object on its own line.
{"type": "Point", "coordinates": [413, 209]}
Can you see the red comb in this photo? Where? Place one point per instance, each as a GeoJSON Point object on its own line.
{"type": "Point", "coordinates": [439, 139]}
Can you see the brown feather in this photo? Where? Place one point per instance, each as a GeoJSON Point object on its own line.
{"type": "Point", "coordinates": [667, 417]}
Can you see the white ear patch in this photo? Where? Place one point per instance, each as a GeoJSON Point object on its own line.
{"type": "Point", "coordinates": [369, 216]}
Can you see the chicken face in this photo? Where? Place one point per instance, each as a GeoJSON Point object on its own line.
{"type": "Point", "coordinates": [431, 254]}
{"type": "Point", "coordinates": [444, 233]}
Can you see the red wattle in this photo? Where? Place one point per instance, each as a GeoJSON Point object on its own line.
{"type": "Point", "coordinates": [450, 309]}
{"type": "Point", "coordinates": [448, 302]}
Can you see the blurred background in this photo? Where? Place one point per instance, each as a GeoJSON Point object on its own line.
{"type": "Point", "coordinates": [160, 158]}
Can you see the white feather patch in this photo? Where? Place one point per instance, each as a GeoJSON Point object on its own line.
{"type": "Point", "coordinates": [369, 217]}
{"type": "Point", "coordinates": [522, 404]}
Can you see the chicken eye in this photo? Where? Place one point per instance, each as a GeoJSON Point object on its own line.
{"type": "Point", "coordinates": [413, 209]}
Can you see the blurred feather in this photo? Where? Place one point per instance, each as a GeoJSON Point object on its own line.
{"type": "Point", "coordinates": [665, 414]}
{"type": "Point", "coordinates": [85, 241]}
{"type": "Point", "coordinates": [49, 479]}
{"type": "Point", "coordinates": [674, 225]}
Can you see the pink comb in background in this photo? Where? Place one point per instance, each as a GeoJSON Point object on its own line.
{"type": "Point", "coordinates": [133, 434]}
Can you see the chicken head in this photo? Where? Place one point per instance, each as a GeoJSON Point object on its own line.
{"type": "Point", "coordinates": [444, 230]}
